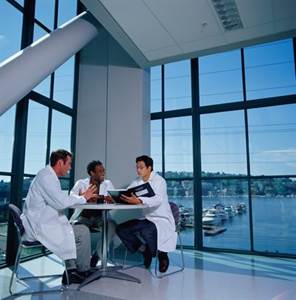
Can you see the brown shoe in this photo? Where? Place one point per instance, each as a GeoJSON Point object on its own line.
{"type": "Point", "coordinates": [163, 261]}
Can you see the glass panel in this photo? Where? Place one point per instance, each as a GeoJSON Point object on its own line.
{"type": "Point", "coordinates": [156, 145]}
{"type": "Point", "coordinates": [67, 10]}
{"type": "Point", "coordinates": [63, 83]}
{"type": "Point", "coordinates": [270, 70]}
{"type": "Point", "coordinates": [223, 145]}
{"type": "Point", "coordinates": [178, 147]}
{"type": "Point", "coordinates": [43, 87]}
{"type": "Point", "coordinates": [44, 12]}
{"type": "Point", "coordinates": [36, 143]}
{"type": "Point", "coordinates": [220, 78]}
{"type": "Point", "coordinates": [65, 185]}
{"type": "Point", "coordinates": [21, 2]}
{"type": "Point", "coordinates": [177, 85]}
{"type": "Point", "coordinates": [272, 140]}
{"type": "Point", "coordinates": [181, 193]}
{"type": "Point", "coordinates": [274, 213]}
{"type": "Point", "coordinates": [60, 131]}
{"type": "Point", "coordinates": [155, 89]}
{"type": "Point", "coordinates": [6, 139]}
{"type": "Point", "coordinates": [225, 217]}
{"type": "Point", "coordinates": [11, 21]}
{"type": "Point", "coordinates": [4, 201]}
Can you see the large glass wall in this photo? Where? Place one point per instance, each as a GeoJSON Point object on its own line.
{"type": "Point", "coordinates": [242, 175]}
{"type": "Point", "coordinates": [47, 121]}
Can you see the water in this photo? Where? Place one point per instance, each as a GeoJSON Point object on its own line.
{"type": "Point", "coordinates": [274, 226]}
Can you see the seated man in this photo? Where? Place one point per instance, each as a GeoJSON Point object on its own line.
{"type": "Point", "coordinates": [156, 231]}
{"type": "Point", "coordinates": [44, 219]}
{"type": "Point", "coordinates": [89, 217]}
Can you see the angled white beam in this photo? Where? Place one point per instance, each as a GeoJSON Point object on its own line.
{"type": "Point", "coordinates": [20, 73]}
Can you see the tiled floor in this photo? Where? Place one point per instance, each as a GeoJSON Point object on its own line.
{"type": "Point", "coordinates": [208, 276]}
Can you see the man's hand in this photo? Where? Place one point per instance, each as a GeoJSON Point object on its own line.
{"type": "Point", "coordinates": [108, 199]}
{"type": "Point", "coordinates": [91, 194]}
{"type": "Point", "coordinates": [131, 200]}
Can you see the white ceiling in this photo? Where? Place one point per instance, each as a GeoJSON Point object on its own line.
{"type": "Point", "coordinates": [161, 31]}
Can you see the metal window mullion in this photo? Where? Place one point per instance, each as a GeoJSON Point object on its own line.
{"type": "Point", "coordinates": [162, 119]}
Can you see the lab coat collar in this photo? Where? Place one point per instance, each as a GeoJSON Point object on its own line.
{"type": "Point", "coordinates": [52, 171]}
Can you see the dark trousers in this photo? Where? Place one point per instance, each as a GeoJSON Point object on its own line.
{"type": "Point", "coordinates": [131, 233]}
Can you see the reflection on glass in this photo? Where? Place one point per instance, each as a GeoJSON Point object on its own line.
{"type": "Point", "coordinates": [60, 131]}
{"type": "Point", "coordinates": [272, 140]}
{"type": "Point", "coordinates": [43, 87]}
{"type": "Point", "coordinates": [178, 147]}
{"type": "Point", "coordinates": [270, 70]}
{"type": "Point", "coordinates": [225, 215]}
{"type": "Point", "coordinates": [63, 83]}
{"type": "Point", "coordinates": [67, 10]}
{"type": "Point", "coordinates": [181, 193]}
{"type": "Point", "coordinates": [274, 213]}
{"type": "Point", "coordinates": [4, 201]}
{"type": "Point", "coordinates": [177, 85]}
{"type": "Point", "coordinates": [155, 89]}
{"type": "Point", "coordinates": [223, 145]}
{"type": "Point", "coordinates": [36, 142]}
{"type": "Point", "coordinates": [220, 78]}
{"type": "Point", "coordinates": [6, 139]}
{"type": "Point", "coordinates": [10, 30]}
{"type": "Point", "coordinates": [156, 145]}
{"type": "Point", "coordinates": [44, 12]}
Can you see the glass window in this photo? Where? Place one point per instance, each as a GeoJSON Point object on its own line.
{"type": "Point", "coordinates": [67, 10]}
{"type": "Point", "coordinates": [156, 145]}
{"type": "Point", "coordinates": [181, 193]}
{"type": "Point", "coordinates": [43, 87]}
{"type": "Point", "coordinates": [220, 78]}
{"type": "Point", "coordinates": [270, 70]}
{"type": "Point", "coordinates": [4, 201]}
{"type": "Point", "coordinates": [11, 21]}
{"type": "Point", "coordinates": [44, 12]}
{"type": "Point", "coordinates": [223, 144]}
{"type": "Point", "coordinates": [178, 148]}
{"type": "Point", "coordinates": [63, 83]}
{"type": "Point", "coordinates": [60, 131]}
{"type": "Point", "coordinates": [274, 213]}
{"type": "Point", "coordinates": [6, 139]}
{"type": "Point", "coordinates": [36, 142]}
{"type": "Point", "coordinates": [272, 139]}
{"type": "Point", "coordinates": [177, 85]}
{"type": "Point", "coordinates": [155, 89]}
{"type": "Point", "coordinates": [225, 215]}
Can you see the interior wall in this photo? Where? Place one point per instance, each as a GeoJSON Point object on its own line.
{"type": "Point", "coordinates": [113, 113]}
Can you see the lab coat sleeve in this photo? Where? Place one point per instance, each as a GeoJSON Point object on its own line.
{"type": "Point", "coordinates": [159, 189]}
{"type": "Point", "coordinates": [77, 188]}
{"type": "Point", "coordinates": [55, 197]}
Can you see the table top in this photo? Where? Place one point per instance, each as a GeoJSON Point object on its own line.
{"type": "Point", "coordinates": [106, 206]}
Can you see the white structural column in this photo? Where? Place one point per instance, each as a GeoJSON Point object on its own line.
{"type": "Point", "coordinates": [22, 72]}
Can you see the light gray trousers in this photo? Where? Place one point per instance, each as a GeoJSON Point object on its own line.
{"type": "Point", "coordinates": [83, 249]}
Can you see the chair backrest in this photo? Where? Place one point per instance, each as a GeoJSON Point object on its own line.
{"type": "Point", "coordinates": [16, 215]}
{"type": "Point", "coordinates": [175, 212]}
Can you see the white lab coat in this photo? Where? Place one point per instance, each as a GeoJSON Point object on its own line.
{"type": "Point", "coordinates": [43, 214]}
{"type": "Point", "coordinates": [81, 186]}
{"type": "Point", "coordinates": [159, 212]}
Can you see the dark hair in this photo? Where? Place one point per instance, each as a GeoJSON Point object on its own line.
{"type": "Point", "coordinates": [92, 165]}
{"type": "Point", "coordinates": [59, 154]}
{"type": "Point", "coordinates": [148, 161]}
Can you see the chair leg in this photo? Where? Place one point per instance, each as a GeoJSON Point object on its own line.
{"type": "Point", "coordinates": [15, 268]}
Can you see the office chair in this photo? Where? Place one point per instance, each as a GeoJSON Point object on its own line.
{"type": "Point", "coordinates": [23, 244]}
{"type": "Point", "coordinates": [176, 215]}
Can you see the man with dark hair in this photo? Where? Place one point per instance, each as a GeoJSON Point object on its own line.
{"type": "Point", "coordinates": [44, 219]}
{"type": "Point", "coordinates": [155, 233]}
{"type": "Point", "coordinates": [93, 218]}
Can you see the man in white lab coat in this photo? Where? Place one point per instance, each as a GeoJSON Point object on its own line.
{"type": "Point", "coordinates": [93, 218]}
{"type": "Point", "coordinates": [155, 234]}
{"type": "Point", "coordinates": [44, 219]}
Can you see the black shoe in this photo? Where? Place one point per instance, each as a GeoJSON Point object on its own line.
{"type": "Point", "coordinates": [163, 261]}
{"type": "Point", "coordinates": [94, 260]}
{"type": "Point", "coordinates": [147, 257]}
{"type": "Point", "coordinates": [74, 277]}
